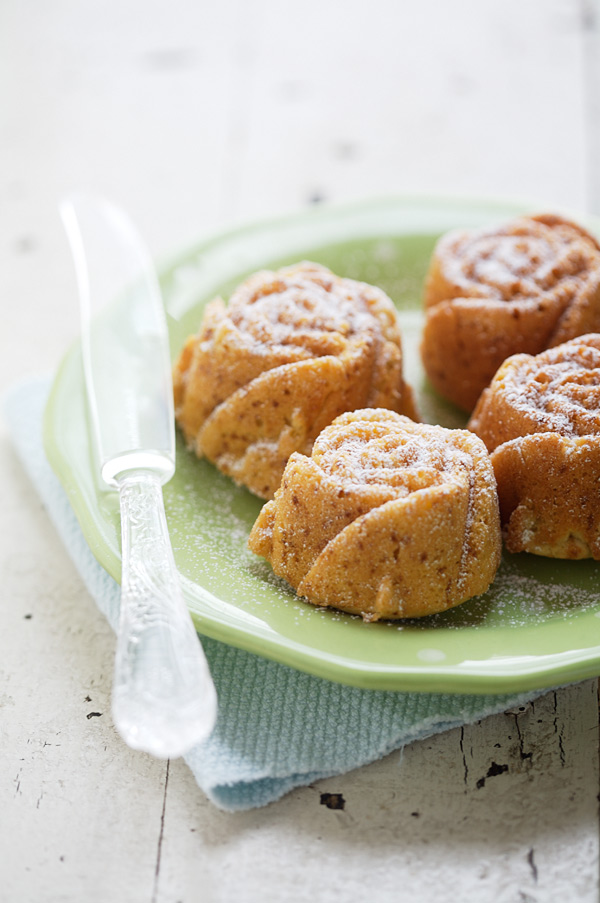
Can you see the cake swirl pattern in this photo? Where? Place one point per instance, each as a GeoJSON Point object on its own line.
{"type": "Point", "coordinates": [540, 419]}
{"type": "Point", "coordinates": [529, 285]}
{"type": "Point", "coordinates": [291, 351]}
{"type": "Point", "coordinates": [387, 518]}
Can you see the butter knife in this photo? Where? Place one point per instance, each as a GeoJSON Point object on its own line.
{"type": "Point", "coordinates": [163, 700]}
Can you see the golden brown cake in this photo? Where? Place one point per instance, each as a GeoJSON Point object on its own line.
{"type": "Point", "coordinates": [387, 519]}
{"type": "Point", "coordinates": [540, 419]}
{"type": "Point", "coordinates": [291, 351]}
{"type": "Point", "coordinates": [524, 287]}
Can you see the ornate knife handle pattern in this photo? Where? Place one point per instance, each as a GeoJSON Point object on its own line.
{"type": "Point", "coordinates": [163, 697]}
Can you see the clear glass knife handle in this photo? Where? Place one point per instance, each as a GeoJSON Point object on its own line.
{"type": "Point", "coordinates": [164, 699]}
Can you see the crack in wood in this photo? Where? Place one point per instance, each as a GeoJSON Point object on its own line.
{"type": "Point", "coordinates": [532, 865]}
{"type": "Point", "coordinates": [160, 836]}
{"type": "Point", "coordinates": [559, 732]}
{"type": "Point", "coordinates": [464, 758]}
{"type": "Point", "coordinates": [18, 782]}
{"type": "Point", "coordinates": [525, 756]}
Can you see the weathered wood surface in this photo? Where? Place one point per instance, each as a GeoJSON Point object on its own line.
{"type": "Point", "coordinates": [196, 117]}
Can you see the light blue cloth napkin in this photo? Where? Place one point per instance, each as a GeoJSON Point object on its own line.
{"type": "Point", "coordinates": [277, 727]}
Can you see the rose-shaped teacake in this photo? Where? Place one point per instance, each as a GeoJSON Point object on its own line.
{"type": "Point", "coordinates": [524, 287]}
{"type": "Point", "coordinates": [291, 351]}
{"type": "Point", "coordinates": [387, 518]}
{"type": "Point", "coordinates": [540, 419]}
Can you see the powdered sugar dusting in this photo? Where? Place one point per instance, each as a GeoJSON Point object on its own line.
{"type": "Point", "coordinates": [561, 387]}
{"type": "Point", "coordinates": [383, 448]}
{"type": "Point", "coordinates": [308, 311]}
{"type": "Point", "coordinates": [526, 259]}
{"type": "Point", "coordinates": [525, 592]}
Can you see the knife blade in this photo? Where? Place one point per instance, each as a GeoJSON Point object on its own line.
{"type": "Point", "coordinates": [163, 699]}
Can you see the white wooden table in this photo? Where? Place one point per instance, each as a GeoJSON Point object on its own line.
{"type": "Point", "coordinates": [196, 117]}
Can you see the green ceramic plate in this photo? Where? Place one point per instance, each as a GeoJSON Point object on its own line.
{"type": "Point", "coordinates": [539, 624]}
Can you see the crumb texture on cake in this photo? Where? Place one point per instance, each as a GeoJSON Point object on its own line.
{"type": "Point", "coordinates": [525, 286]}
{"type": "Point", "coordinates": [387, 518]}
{"type": "Point", "coordinates": [292, 350]}
{"type": "Point", "coordinates": [540, 419]}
